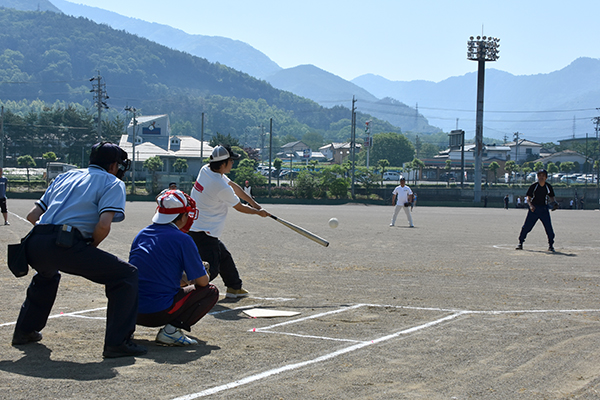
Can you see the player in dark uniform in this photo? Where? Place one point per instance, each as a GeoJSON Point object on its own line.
{"type": "Point", "coordinates": [538, 209]}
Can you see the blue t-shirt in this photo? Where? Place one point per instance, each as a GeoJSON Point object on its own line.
{"type": "Point", "coordinates": [78, 198]}
{"type": "Point", "coordinates": [161, 252]}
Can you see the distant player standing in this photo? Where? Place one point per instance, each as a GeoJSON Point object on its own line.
{"type": "Point", "coordinates": [402, 197]}
{"type": "Point", "coordinates": [538, 209]}
{"type": "Point", "coordinates": [214, 193]}
{"type": "Point", "coordinates": [3, 185]}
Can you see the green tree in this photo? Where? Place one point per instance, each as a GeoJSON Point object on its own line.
{"type": "Point", "coordinates": [277, 163]}
{"type": "Point", "coordinates": [448, 168]}
{"type": "Point", "coordinates": [306, 185]}
{"type": "Point", "coordinates": [538, 165]}
{"type": "Point", "coordinates": [219, 139]}
{"type": "Point", "coordinates": [394, 147]}
{"type": "Point", "coordinates": [567, 167]}
{"type": "Point", "coordinates": [552, 169]}
{"type": "Point", "coordinates": [510, 167]}
{"type": "Point", "coordinates": [49, 156]}
{"type": "Point", "coordinates": [246, 171]}
{"type": "Point", "coordinates": [368, 178]}
{"type": "Point", "coordinates": [417, 165]}
{"type": "Point", "coordinates": [382, 165]}
{"type": "Point", "coordinates": [153, 165]}
{"type": "Point", "coordinates": [27, 162]}
{"type": "Point", "coordinates": [428, 150]}
{"type": "Point", "coordinates": [339, 188]}
{"type": "Point", "coordinates": [180, 165]}
{"type": "Point", "coordinates": [494, 166]}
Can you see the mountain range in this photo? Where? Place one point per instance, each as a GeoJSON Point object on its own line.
{"type": "Point", "coordinates": [542, 107]}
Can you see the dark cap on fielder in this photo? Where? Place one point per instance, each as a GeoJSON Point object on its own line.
{"type": "Point", "coordinates": [221, 153]}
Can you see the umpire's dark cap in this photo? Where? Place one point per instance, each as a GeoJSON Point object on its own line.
{"type": "Point", "coordinates": [105, 153]}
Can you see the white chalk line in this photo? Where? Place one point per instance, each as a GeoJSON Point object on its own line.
{"type": "Point", "coordinates": [310, 336]}
{"type": "Point", "coordinates": [325, 357]}
{"type": "Point", "coordinates": [18, 216]}
{"type": "Point", "coordinates": [359, 345]}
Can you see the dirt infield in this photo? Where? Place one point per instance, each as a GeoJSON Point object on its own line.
{"type": "Point", "coordinates": [447, 310]}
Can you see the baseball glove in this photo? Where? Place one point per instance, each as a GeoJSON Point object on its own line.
{"type": "Point", "coordinates": [554, 206]}
{"type": "Point", "coordinates": [407, 204]}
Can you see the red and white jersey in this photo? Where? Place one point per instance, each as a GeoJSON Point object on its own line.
{"type": "Point", "coordinates": [213, 197]}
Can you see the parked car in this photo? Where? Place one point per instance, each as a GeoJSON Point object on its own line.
{"type": "Point", "coordinates": [531, 177]}
{"type": "Point", "coordinates": [448, 177]}
{"type": "Point", "coordinates": [568, 179]}
{"type": "Point", "coordinates": [287, 174]}
{"type": "Point", "coordinates": [391, 176]}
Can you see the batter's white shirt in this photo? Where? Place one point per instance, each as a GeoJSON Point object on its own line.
{"type": "Point", "coordinates": [402, 194]}
{"type": "Point", "coordinates": [213, 197]}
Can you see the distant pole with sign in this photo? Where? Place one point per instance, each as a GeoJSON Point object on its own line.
{"type": "Point", "coordinates": [353, 141]}
{"type": "Point", "coordinates": [368, 141]}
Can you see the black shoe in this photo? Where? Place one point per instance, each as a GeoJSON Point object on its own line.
{"type": "Point", "coordinates": [24, 338]}
{"type": "Point", "coordinates": [127, 349]}
{"type": "Point", "coordinates": [519, 246]}
{"type": "Point", "coordinates": [551, 248]}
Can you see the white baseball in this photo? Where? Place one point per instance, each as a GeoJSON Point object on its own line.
{"type": "Point", "coordinates": [333, 223]}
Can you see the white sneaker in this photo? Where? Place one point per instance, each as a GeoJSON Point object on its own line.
{"type": "Point", "coordinates": [174, 339]}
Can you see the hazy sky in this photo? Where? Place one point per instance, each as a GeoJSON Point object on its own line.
{"type": "Point", "coordinates": [397, 39]}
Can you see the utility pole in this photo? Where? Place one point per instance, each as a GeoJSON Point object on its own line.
{"type": "Point", "coordinates": [516, 137]}
{"type": "Point", "coordinates": [481, 50]}
{"type": "Point", "coordinates": [368, 141]}
{"type": "Point", "coordinates": [262, 143]}
{"type": "Point", "coordinates": [100, 97]}
{"type": "Point", "coordinates": [353, 140]}
{"type": "Point", "coordinates": [270, 152]}
{"type": "Point", "coordinates": [133, 111]}
{"type": "Point", "coordinates": [202, 143]}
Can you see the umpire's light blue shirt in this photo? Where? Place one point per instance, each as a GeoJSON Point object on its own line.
{"type": "Point", "coordinates": [79, 196]}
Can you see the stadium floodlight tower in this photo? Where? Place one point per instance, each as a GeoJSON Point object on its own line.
{"type": "Point", "coordinates": [480, 49]}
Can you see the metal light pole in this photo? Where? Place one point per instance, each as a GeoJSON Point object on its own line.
{"type": "Point", "coordinates": [480, 49]}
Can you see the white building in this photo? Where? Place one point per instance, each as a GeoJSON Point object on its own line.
{"type": "Point", "coordinates": [153, 138]}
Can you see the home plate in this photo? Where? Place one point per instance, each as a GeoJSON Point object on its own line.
{"type": "Point", "coordinates": [262, 313]}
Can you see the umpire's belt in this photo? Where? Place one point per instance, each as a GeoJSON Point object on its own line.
{"type": "Point", "coordinates": [45, 229]}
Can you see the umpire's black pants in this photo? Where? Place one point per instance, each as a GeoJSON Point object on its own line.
{"type": "Point", "coordinates": [119, 278]}
{"type": "Point", "coordinates": [213, 251]}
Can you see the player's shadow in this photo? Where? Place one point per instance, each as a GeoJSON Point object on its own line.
{"type": "Point", "coordinates": [222, 312]}
{"type": "Point", "coordinates": [555, 253]}
{"type": "Point", "coordinates": [176, 354]}
{"type": "Point", "coordinates": [37, 363]}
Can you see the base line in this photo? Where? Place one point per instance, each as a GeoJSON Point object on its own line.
{"type": "Point", "coordinates": [325, 357]}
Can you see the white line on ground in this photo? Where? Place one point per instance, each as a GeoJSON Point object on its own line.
{"type": "Point", "coordinates": [18, 216]}
{"type": "Point", "coordinates": [325, 357]}
{"type": "Point", "coordinates": [311, 336]}
{"type": "Point", "coordinates": [311, 317]}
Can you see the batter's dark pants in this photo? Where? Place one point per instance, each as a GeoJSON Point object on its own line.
{"type": "Point", "coordinates": [186, 310]}
{"type": "Point", "coordinates": [213, 251]}
{"type": "Point", "coordinates": [119, 278]}
{"type": "Point", "coordinates": [543, 214]}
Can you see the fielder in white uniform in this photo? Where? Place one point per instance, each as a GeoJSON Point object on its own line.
{"type": "Point", "coordinates": [402, 197]}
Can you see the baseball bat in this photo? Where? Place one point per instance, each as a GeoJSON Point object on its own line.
{"type": "Point", "coordinates": [302, 231]}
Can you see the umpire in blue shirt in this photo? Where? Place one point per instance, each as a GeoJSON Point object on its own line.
{"type": "Point", "coordinates": [71, 219]}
